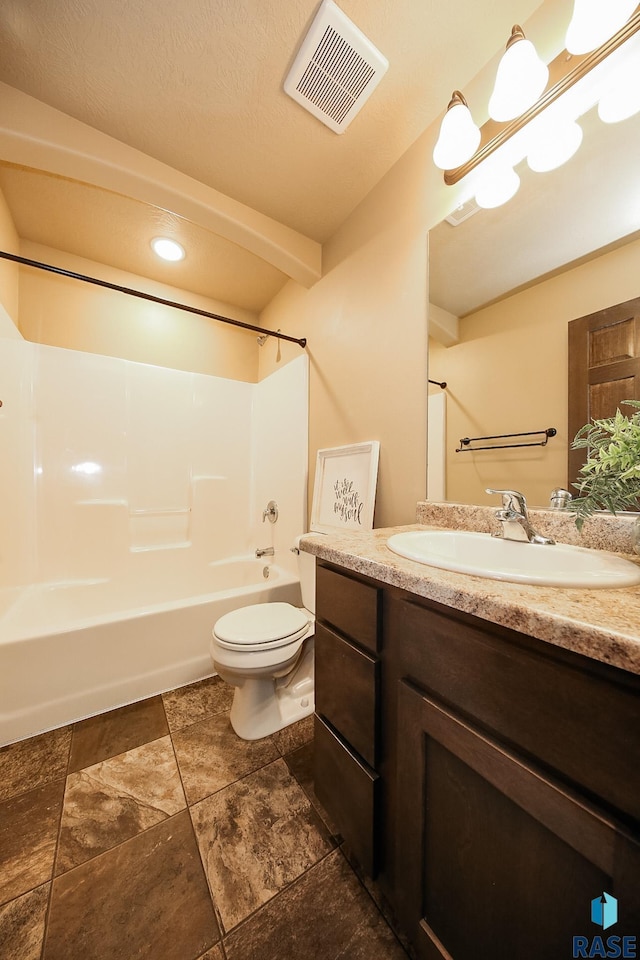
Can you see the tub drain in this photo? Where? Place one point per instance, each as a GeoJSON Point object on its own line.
{"type": "Point", "coordinates": [266, 572]}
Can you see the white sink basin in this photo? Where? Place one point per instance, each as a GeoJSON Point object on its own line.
{"type": "Point", "coordinates": [556, 565]}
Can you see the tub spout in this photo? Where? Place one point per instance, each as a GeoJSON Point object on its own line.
{"type": "Point", "coordinates": [264, 552]}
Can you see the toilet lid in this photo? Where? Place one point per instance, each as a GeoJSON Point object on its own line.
{"type": "Point", "coordinates": [261, 623]}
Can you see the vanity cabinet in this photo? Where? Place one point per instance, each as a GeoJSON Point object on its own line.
{"type": "Point", "coordinates": [508, 781]}
{"type": "Point", "coordinates": [517, 788]}
{"type": "Point", "coordinates": [347, 678]}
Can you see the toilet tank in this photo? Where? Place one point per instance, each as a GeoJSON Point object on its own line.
{"type": "Point", "coordinates": [307, 572]}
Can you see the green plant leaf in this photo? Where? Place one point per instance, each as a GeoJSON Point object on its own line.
{"type": "Point", "coordinates": [609, 479]}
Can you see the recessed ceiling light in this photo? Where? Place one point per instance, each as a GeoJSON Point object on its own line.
{"type": "Point", "coordinates": [167, 249]}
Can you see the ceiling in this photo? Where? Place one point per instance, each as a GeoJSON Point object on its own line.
{"type": "Point", "coordinates": [110, 229]}
{"type": "Point", "coordinates": [198, 85]}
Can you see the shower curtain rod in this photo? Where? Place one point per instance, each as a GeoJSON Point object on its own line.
{"type": "Point", "coordinates": [149, 296]}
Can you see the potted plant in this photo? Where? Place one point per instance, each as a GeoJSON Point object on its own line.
{"type": "Point", "coordinates": [610, 477]}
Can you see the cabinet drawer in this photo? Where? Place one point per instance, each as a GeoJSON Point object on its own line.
{"type": "Point", "coordinates": [346, 682]}
{"type": "Point", "coordinates": [348, 790]}
{"type": "Point", "coordinates": [348, 605]}
{"type": "Point", "coordinates": [577, 717]}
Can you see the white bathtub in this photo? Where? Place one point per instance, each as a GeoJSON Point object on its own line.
{"type": "Point", "coordinates": [69, 650]}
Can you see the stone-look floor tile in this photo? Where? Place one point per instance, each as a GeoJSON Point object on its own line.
{"type": "Point", "coordinates": [28, 833]}
{"type": "Point", "coordinates": [34, 762]}
{"type": "Point", "coordinates": [215, 953]}
{"type": "Point", "coordinates": [117, 731]}
{"type": "Point", "coordinates": [22, 925]}
{"type": "Point", "coordinates": [325, 915]}
{"type": "Point", "coordinates": [116, 799]}
{"type": "Point", "coordinates": [188, 705]}
{"type": "Point", "coordinates": [146, 898]}
{"type": "Point", "coordinates": [211, 756]}
{"type": "Point", "coordinates": [377, 895]}
{"type": "Point", "coordinates": [294, 736]}
{"type": "Point", "coordinates": [300, 763]}
{"type": "Point", "coordinates": [255, 837]}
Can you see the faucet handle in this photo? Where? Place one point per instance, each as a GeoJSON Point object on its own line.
{"type": "Point", "coordinates": [271, 512]}
{"type": "Point", "coordinates": [511, 500]}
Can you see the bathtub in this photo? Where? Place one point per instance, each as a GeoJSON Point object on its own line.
{"type": "Point", "coordinates": [71, 649]}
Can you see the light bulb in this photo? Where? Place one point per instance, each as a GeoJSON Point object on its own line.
{"type": "Point", "coordinates": [619, 106]}
{"type": "Point", "coordinates": [594, 22]}
{"type": "Point", "coordinates": [521, 78]}
{"type": "Point", "coordinates": [167, 249]}
{"type": "Point", "coordinates": [621, 98]}
{"type": "Point", "coordinates": [555, 144]}
{"type": "Point", "coordinates": [497, 185]}
{"type": "Point", "coordinates": [459, 136]}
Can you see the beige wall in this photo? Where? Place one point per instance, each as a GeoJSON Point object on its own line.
{"type": "Point", "coordinates": [366, 323]}
{"type": "Point", "coordinates": [63, 312]}
{"type": "Point", "coordinates": [9, 242]}
{"type": "Point", "coordinates": [367, 351]}
{"type": "Point", "coordinates": [509, 374]}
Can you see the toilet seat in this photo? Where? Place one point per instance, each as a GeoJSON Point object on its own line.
{"type": "Point", "coordinates": [262, 626]}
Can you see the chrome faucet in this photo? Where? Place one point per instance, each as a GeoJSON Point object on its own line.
{"type": "Point", "coordinates": [515, 519]}
{"type": "Point", "coordinates": [264, 552]}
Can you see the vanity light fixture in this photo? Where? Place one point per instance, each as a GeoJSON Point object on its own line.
{"type": "Point", "coordinates": [498, 184]}
{"type": "Point", "coordinates": [594, 22]}
{"type": "Point", "coordinates": [459, 136]}
{"type": "Point", "coordinates": [621, 97]}
{"type": "Point", "coordinates": [544, 129]}
{"type": "Point", "coordinates": [521, 78]}
{"type": "Point", "coordinates": [167, 249]}
{"type": "Point", "coordinates": [553, 142]}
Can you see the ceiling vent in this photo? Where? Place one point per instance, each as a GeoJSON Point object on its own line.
{"type": "Point", "coordinates": [336, 70]}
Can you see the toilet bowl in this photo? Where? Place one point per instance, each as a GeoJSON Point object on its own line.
{"type": "Point", "coordinates": [265, 651]}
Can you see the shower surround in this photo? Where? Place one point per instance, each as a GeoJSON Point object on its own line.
{"type": "Point", "coordinates": [131, 508]}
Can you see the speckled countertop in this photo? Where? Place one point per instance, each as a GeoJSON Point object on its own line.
{"type": "Point", "coordinates": [601, 623]}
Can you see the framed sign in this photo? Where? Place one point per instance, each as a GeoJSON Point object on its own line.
{"type": "Point", "coordinates": [344, 491]}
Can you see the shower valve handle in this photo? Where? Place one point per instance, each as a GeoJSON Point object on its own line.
{"type": "Point", "coordinates": [271, 512]}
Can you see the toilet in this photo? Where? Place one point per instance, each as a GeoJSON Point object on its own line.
{"type": "Point", "coordinates": [265, 651]}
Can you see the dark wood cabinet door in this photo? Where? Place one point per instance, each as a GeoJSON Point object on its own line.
{"type": "Point", "coordinates": [493, 857]}
{"type": "Point", "coordinates": [604, 368]}
{"type": "Point", "coordinates": [579, 718]}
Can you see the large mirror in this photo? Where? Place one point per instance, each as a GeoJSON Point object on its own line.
{"type": "Point", "coordinates": [504, 284]}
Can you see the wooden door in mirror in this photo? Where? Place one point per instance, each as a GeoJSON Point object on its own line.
{"type": "Point", "coordinates": [604, 368]}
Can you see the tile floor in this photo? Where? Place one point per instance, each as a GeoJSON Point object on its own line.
{"type": "Point", "coordinates": [152, 831]}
